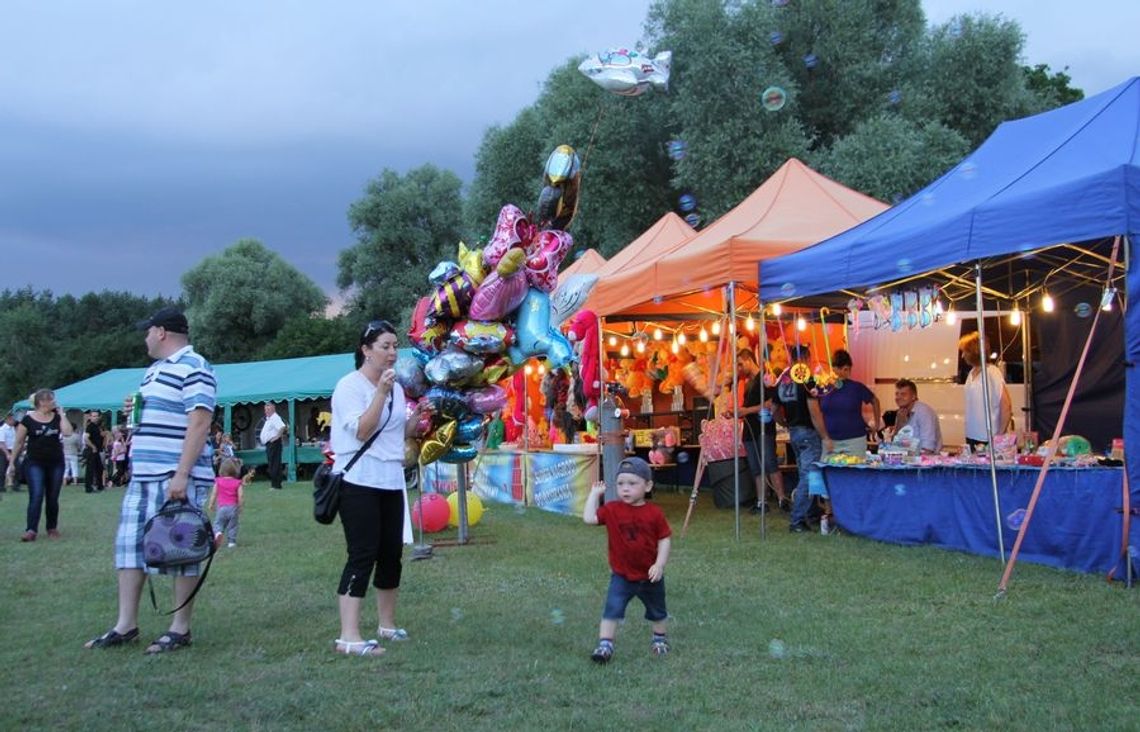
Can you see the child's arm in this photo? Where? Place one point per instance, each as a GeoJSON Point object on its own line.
{"type": "Point", "coordinates": [590, 512]}
{"type": "Point", "coordinates": [657, 571]}
{"type": "Point", "coordinates": [241, 494]}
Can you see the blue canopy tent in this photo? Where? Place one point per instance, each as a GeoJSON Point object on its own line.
{"type": "Point", "coordinates": [1062, 177]}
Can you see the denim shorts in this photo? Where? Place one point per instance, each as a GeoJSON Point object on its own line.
{"type": "Point", "coordinates": [652, 595]}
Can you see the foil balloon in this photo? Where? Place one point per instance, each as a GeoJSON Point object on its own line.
{"type": "Point", "coordinates": [471, 262]}
{"type": "Point", "coordinates": [452, 367]}
{"type": "Point", "coordinates": [513, 229]}
{"type": "Point", "coordinates": [410, 374]}
{"type": "Point", "coordinates": [438, 444]}
{"type": "Point", "coordinates": [570, 295]}
{"type": "Point", "coordinates": [443, 272]}
{"type": "Point", "coordinates": [487, 400]}
{"type": "Point", "coordinates": [562, 177]}
{"type": "Point", "coordinates": [495, 369]}
{"type": "Point", "coordinates": [535, 337]}
{"type": "Point", "coordinates": [469, 429]}
{"type": "Point", "coordinates": [453, 297]}
{"type": "Point", "coordinates": [503, 290]}
{"type": "Point", "coordinates": [482, 337]}
{"type": "Point", "coordinates": [460, 454]}
{"type": "Point", "coordinates": [544, 256]}
{"type": "Point", "coordinates": [448, 403]}
{"type": "Point", "coordinates": [627, 72]}
{"type": "Point", "coordinates": [426, 334]}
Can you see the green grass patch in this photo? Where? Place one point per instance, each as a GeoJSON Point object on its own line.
{"type": "Point", "coordinates": [789, 632]}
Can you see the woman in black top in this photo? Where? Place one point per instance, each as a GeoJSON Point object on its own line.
{"type": "Point", "coordinates": [41, 429]}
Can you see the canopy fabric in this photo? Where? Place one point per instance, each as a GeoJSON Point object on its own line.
{"type": "Point", "coordinates": [251, 382]}
{"type": "Point", "coordinates": [666, 235]}
{"type": "Point", "coordinates": [793, 208]}
{"type": "Point", "coordinates": [589, 263]}
{"type": "Point", "coordinates": [1067, 175]}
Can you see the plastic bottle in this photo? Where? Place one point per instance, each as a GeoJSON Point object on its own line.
{"type": "Point", "coordinates": [824, 525]}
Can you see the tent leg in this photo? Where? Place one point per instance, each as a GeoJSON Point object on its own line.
{"type": "Point", "coordinates": [988, 399]}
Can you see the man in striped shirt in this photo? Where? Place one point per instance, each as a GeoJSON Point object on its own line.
{"type": "Point", "coordinates": [170, 459]}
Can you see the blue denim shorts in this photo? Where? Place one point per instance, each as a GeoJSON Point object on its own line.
{"type": "Point", "coordinates": [651, 594]}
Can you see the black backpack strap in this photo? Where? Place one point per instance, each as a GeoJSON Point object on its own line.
{"type": "Point", "coordinates": [201, 579]}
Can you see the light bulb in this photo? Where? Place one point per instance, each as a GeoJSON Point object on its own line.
{"type": "Point", "coordinates": [801, 324]}
{"type": "Point", "coordinates": [613, 341]}
{"type": "Point", "coordinates": [1015, 317]}
{"type": "Point", "coordinates": [641, 346]}
{"type": "Point", "coordinates": [938, 307]}
{"type": "Point", "coordinates": [624, 349]}
{"type": "Point", "coordinates": [703, 335]}
{"type": "Point", "coordinates": [906, 359]}
{"type": "Point", "coordinates": [528, 369]}
{"type": "Point", "coordinates": [716, 327]}
{"type": "Point", "coordinates": [750, 324]}
{"type": "Point", "coordinates": [657, 334]}
{"type": "Point", "coordinates": [951, 317]}
{"type": "Point", "coordinates": [681, 338]}
{"type": "Point", "coordinates": [675, 348]}
{"type": "Point", "coordinates": [1047, 303]}
{"type": "Point", "coordinates": [541, 369]}
{"type": "Point", "coordinates": [776, 309]}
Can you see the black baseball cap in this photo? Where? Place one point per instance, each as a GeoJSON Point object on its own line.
{"type": "Point", "coordinates": [170, 319]}
{"type": "Point", "coordinates": [636, 466]}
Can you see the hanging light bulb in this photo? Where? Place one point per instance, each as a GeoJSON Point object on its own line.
{"type": "Point", "coordinates": [624, 350]}
{"type": "Point", "coordinates": [951, 317]}
{"type": "Point", "coordinates": [716, 327]}
{"type": "Point", "coordinates": [541, 369]}
{"type": "Point", "coordinates": [613, 341]}
{"type": "Point", "coordinates": [703, 335]}
{"type": "Point", "coordinates": [938, 307]}
{"type": "Point", "coordinates": [1106, 299]}
{"type": "Point", "coordinates": [1047, 304]}
{"type": "Point", "coordinates": [801, 324]}
{"type": "Point", "coordinates": [657, 335]}
{"type": "Point", "coordinates": [681, 338]}
{"type": "Point", "coordinates": [750, 323]}
{"type": "Point", "coordinates": [676, 347]}
{"type": "Point", "coordinates": [776, 309]}
{"type": "Point", "coordinates": [1015, 317]}
{"type": "Point", "coordinates": [641, 346]}
{"type": "Point", "coordinates": [528, 369]}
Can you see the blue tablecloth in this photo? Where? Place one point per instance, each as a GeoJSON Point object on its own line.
{"type": "Point", "coordinates": [1076, 524]}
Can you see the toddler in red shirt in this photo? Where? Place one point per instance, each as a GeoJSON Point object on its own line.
{"type": "Point", "coordinates": [638, 550]}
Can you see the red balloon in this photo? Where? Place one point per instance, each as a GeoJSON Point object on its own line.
{"type": "Point", "coordinates": [435, 511]}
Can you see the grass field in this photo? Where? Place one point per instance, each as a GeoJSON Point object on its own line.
{"type": "Point", "coordinates": [792, 632]}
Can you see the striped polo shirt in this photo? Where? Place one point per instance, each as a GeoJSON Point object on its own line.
{"type": "Point", "coordinates": [172, 388]}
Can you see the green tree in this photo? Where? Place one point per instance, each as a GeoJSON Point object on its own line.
{"type": "Point", "coordinates": [311, 336]}
{"type": "Point", "coordinates": [508, 169]}
{"type": "Point", "coordinates": [1052, 89]}
{"type": "Point", "coordinates": [239, 300]}
{"type": "Point", "coordinates": [404, 225]}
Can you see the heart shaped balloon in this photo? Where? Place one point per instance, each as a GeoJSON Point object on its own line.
{"type": "Point", "coordinates": [498, 296]}
{"type": "Point", "coordinates": [513, 229]}
{"type": "Point", "coordinates": [544, 256]}
{"type": "Point", "coordinates": [469, 429]}
{"type": "Point", "coordinates": [460, 454]}
{"type": "Point", "coordinates": [438, 444]}
{"type": "Point", "coordinates": [453, 367]}
{"type": "Point", "coordinates": [410, 374]}
{"type": "Point", "coordinates": [487, 399]}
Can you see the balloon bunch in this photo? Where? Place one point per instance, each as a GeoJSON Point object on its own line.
{"type": "Point", "coordinates": [488, 314]}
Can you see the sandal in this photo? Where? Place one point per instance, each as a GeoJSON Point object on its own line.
{"type": "Point", "coordinates": [392, 634]}
{"type": "Point", "coordinates": [113, 638]}
{"type": "Point", "coordinates": [358, 648]}
{"type": "Point", "coordinates": [168, 641]}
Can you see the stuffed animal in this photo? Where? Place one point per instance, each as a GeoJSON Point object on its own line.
{"type": "Point", "coordinates": [583, 332]}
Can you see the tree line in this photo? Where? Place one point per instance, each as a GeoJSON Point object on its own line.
{"type": "Point", "coordinates": [868, 92]}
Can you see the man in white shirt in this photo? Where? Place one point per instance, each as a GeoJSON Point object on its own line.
{"type": "Point", "coordinates": [919, 416]}
{"type": "Point", "coordinates": [7, 444]}
{"type": "Point", "coordinates": [272, 433]}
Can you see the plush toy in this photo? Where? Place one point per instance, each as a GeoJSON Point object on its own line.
{"type": "Point", "coordinates": [583, 333]}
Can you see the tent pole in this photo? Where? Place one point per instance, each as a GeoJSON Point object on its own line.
{"type": "Point", "coordinates": [988, 399]}
{"type": "Point", "coordinates": [1027, 366]}
{"type": "Point", "coordinates": [762, 500]}
{"type": "Point", "coordinates": [291, 453]}
{"type": "Point", "coordinates": [727, 333]}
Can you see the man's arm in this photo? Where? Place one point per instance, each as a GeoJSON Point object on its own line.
{"type": "Point", "coordinates": [197, 431]}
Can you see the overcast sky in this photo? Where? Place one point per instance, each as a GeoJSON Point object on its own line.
{"type": "Point", "coordinates": [138, 137]}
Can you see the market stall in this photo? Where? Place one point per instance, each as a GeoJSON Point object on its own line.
{"type": "Point", "coordinates": [1036, 219]}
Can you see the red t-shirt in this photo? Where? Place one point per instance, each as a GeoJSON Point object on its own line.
{"type": "Point", "coordinates": [633, 535]}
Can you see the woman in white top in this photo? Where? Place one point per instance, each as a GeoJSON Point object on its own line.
{"type": "Point", "coordinates": [1000, 407]}
{"type": "Point", "coordinates": [374, 502]}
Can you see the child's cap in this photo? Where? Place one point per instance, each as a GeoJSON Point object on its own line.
{"type": "Point", "coordinates": [636, 466]}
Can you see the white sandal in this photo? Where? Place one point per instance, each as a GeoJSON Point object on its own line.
{"type": "Point", "coordinates": [392, 634]}
{"type": "Point", "coordinates": [366, 647]}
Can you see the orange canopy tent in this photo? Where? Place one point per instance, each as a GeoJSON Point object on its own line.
{"type": "Point", "coordinates": [794, 208]}
{"type": "Point", "coordinates": [666, 235]}
{"type": "Point", "coordinates": [589, 263]}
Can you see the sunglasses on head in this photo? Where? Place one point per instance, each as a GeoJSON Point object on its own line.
{"type": "Point", "coordinates": [376, 326]}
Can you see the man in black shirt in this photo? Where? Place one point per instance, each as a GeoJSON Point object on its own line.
{"type": "Point", "coordinates": [806, 431]}
{"type": "Point", "coordinates": [93, 452]}
{"type": "Point", "coordinates": [755, 411]}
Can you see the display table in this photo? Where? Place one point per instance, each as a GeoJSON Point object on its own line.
{"type": "Point", "coordinates": [1076, 523]}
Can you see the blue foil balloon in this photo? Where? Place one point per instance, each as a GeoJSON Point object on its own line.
{"type": "Point", "coordinates": [469, 429]}
{"type": "Point", "coordinates": [447, 403]}
{"type": "Point", "coordinates": [460, 454]}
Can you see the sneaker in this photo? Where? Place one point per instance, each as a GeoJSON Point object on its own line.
{"type": "Point", "coordinates": [759, 508]}
{"type": "Point", "coordinates": [659, 647]}
{"type": "Point", "coordinates": [785, 505]}
{"type": "Point", "coordinates": [53, 533]}
{"type": "Point", "coordinates": [231, 545]}
{"type": "Point", "coordinates": [28, 536]}
{"type": "Point", "coordinates": [218, 539]}
{"type": "Point", "coordinates": [603, 653]}
{"type": "Point", "coordinates": [799, 528]}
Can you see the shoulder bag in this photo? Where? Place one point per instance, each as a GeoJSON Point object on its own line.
{"type": "Point", "coordinates": [326, 481]}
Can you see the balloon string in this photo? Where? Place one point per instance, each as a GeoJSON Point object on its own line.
{"type": "Point", "coordinates": [593, 133]}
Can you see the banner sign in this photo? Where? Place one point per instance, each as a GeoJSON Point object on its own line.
{"type": "Point", "coordinates": [498, 477]}
{"type": "Point", "coordinates": [560, 482]}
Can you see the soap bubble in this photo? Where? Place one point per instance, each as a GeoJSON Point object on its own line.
{"type": "Point", "coordinates": [678, 149]}
{"type": "Point", "coordinates": [687, 202]}
{"type": "Point", "coordinates": [900, 489]}
{"type": "Point", "coordinates": [787, 289]}
{"type": "Point", "coordinates": [557, 617]}
{"type": "Point", "coordinates": [811, 61]}
{"type": "Point", "coordinates": [456, 615]}
{"type": "Point", "coordinates": [774, 98]}
{"type": "Point", "coordinates": [776, 648]}
{"type": "Point", "coordinates": [904, 265]}
{"type": "Point", "coordinates": [682, 457]}
{"type": "Point", "coordinates": [693, 219]}
{"type": "Point", "coordinates": [657, 299]}
{"type": "Point", "coordinates": [968, 170]}
{"type": "Point", "coordinates": [928, 199]}
{"type": "Point", "coordinates": [779, 3]}
{"type": "Point", "coordinates": [520, 508]}
{"type": "Point", "coordinates": [897, 198]}
{"type": "Point", "coordinates": [775, 38]}
{"type": "Point", "coordinates": [1015, 519]}
{"type": "Point", "coordinates": [894, 97]}
{"type": "Point", "coordinates": [1082, 310]}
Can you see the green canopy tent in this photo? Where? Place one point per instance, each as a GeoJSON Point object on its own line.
{"type": "Point", "coordinates": [288, 380]}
